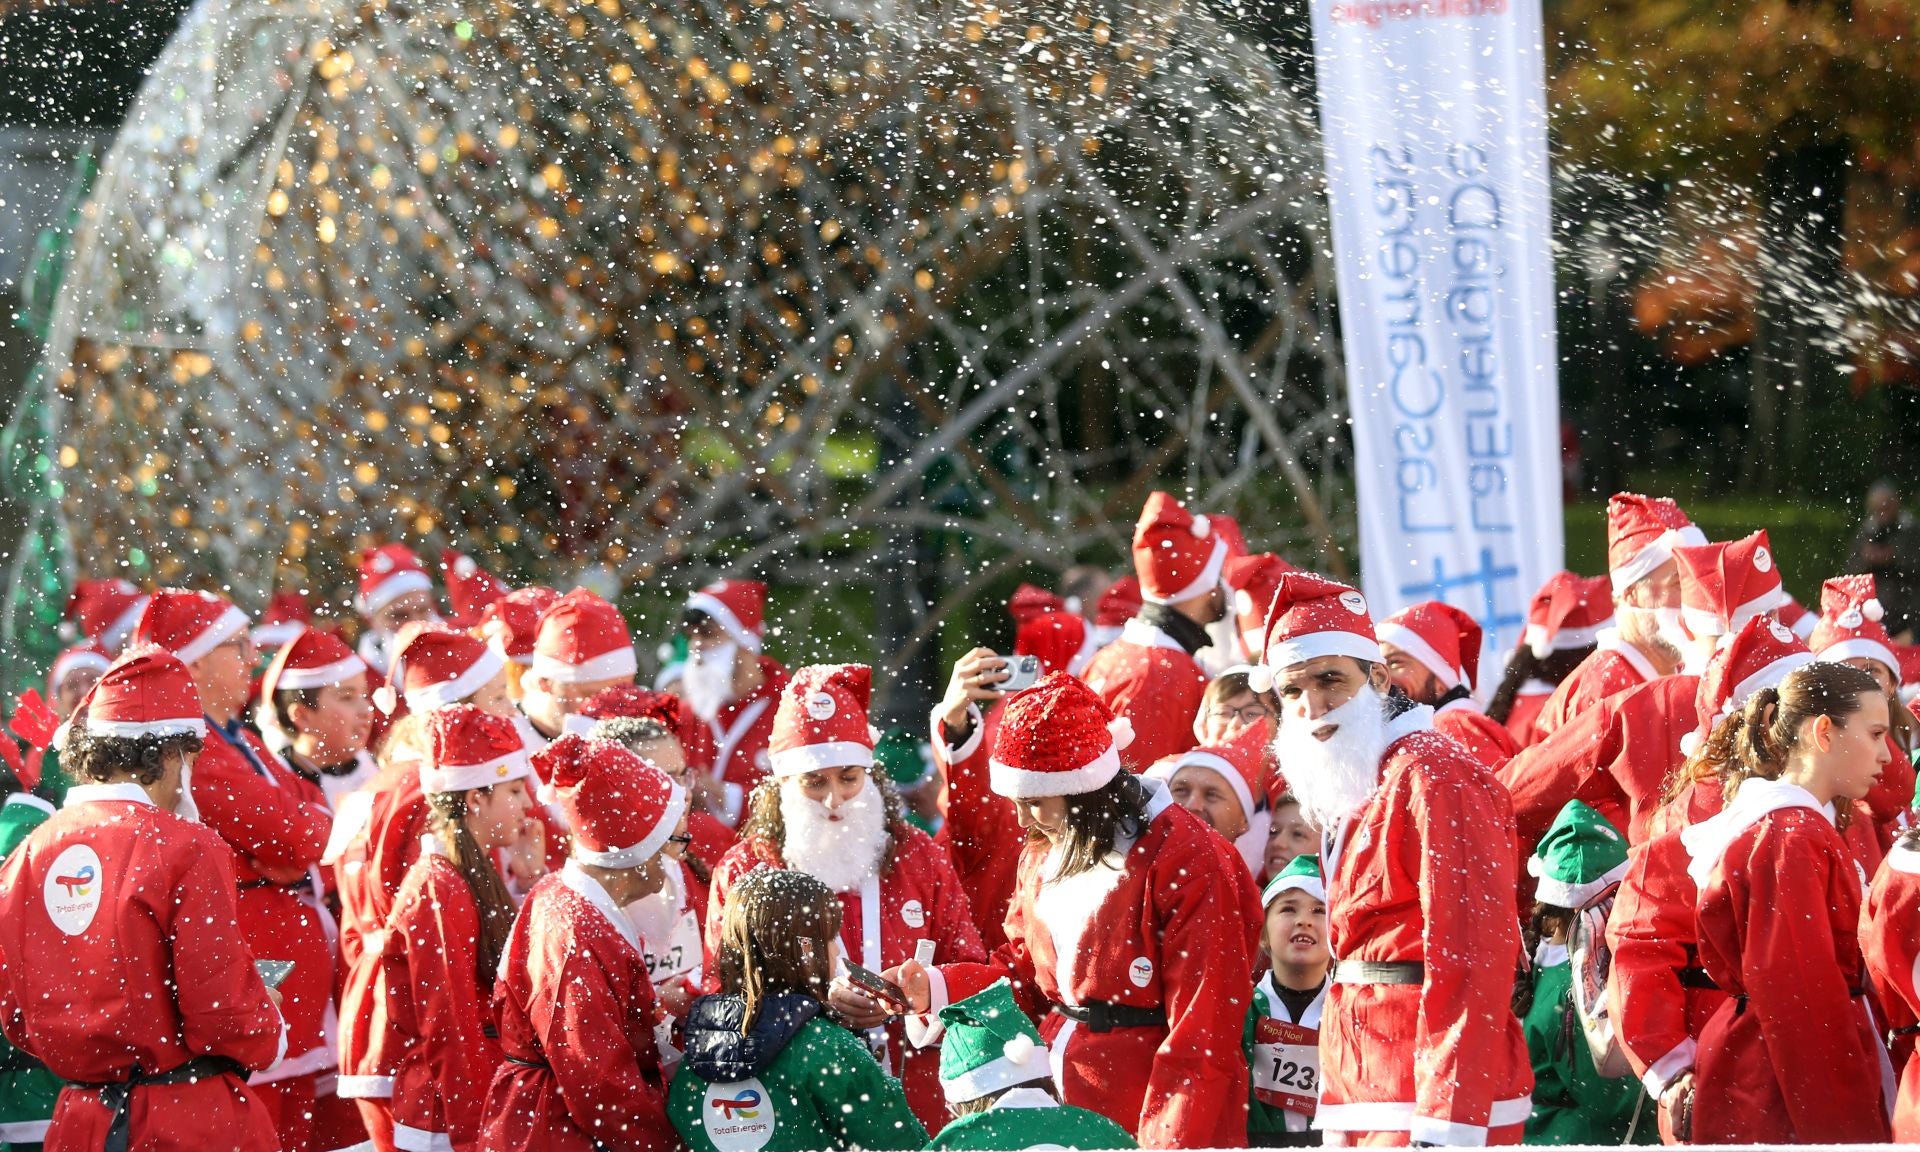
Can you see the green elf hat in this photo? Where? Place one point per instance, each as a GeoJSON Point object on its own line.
{"type": "Point", "coordinates": [673, 661]}
{"type": "Point", "coordinates": [1580, 857]}
{"type": "Point", "coordinates": [989, 1045]}
{"type": "Point", "coordinates": [898, 755]}
{"type": "Point", "coordinates": [1302, 873]}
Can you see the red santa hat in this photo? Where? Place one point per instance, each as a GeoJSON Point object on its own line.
{"type": "Point", "coordinates": [188, 624]}
{"type": "Point", "coordinates": [1794, 615]}
{"type": "Point", "coordinates": [1310, 617]}
{"type": "Point", "coordinates": [1176, 554]}
{"type": "Point", "coordinates": [1254, 579]}
{"type": "Point", "coordinates": [738, 606]}
{"type": "Point", "coordinates": [1118, 604]}
{"type": "Point", "coordinates": [470, 588]}
{"type": "Point", "coordinates": [620, 808]}
{"type": "Point", "coordinates": [1445, 640]}
{"type": "Point", "coordinates": [1849, 627]}
{"type": "Point", "coordinates": [1030, 600]}
{"type": "Point", "coordinates": [1642, 532]}
{"type": "Point", "coordinates": [822, 721]}
{"type": "Point", "coordinates": [1056, 738]}
{"type": "Point", "coordinates": [148, 692]}
{"type": "Point", "coordinates": [1909, 671]}
{"type": "Point", "coordinates": [81, 657]}
{"type": "Point", "coordinates": [105, 610]}
{"type": "Point", "coordinates": [583, 638]}
{"type": "Point", "coordinates": [388, 573]}
{"type": "Point", "coordinates": [1568, 612]}
{"type": "Point", "coordinates": [312, 659]}
{"type": "Point", "coordinates": [512, 622]}
{"type": "Point", "coordinates": [1722, 586]}
{"type": "Point", "coordinates": [436, 666]}
{"type": "Point", "coordinates": [1241, 761]}
{"type": "Point", "coordinates": [287, 615]}
{"type": "Point", "coordinates": [1759, 655]}
{"type": "Point", "coordinates": [468, 748]}
{"type": "Point", "coordinates": [1062, 640]}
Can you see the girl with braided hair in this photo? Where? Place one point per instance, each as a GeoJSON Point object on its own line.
{"type": "Point", "coordinates": [1794, 1056]}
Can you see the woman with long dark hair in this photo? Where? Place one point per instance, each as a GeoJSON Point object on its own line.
{"type": "Point", "coordinates": [449, 926]}
{"type": "Point", "coordinates": [1563, 622]}
{"type": "Point", "coordinates": [1795, 1055]}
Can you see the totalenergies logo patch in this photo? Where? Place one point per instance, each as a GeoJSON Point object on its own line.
{"type": "Point", "coordinates": [739, 1117]}
{"type": "Point", "coordinates": [79, 884]}
{"type": "Point", "coordinates": [72, 889]}
{"type": "Point", "coordinates": [745, 1106]}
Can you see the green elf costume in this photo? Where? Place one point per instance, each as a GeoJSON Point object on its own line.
{"type": "Point", "coordinates": [991, 1050]}
{"type": "Point", "coordinates": [27, 1089]}
{"type": "Point", "coordinates": [901, 757]}
{"type": "Point", "coordinates": [1282, 1038]}
{"type": "Point", "coordinates": [1579, 859]}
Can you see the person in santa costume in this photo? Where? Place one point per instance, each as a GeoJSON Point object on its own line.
{"type": "Point", "coordinates": [72, 675]}
{"type": "Point", "coordinates": [1130, 931]}
{"type": "Point", "coordinates": [448, 929]}
{"type": "Point", "coordinates": [1230, 707]}
{"type": "Point", "coordinates": [1432, 653]}
{"type": "Point", "coordinates": [314, 700]}
{"type": "Point", "coordinates": [1564, 620]}
{"type": "Point", "coordinates": [1421, 885]}
{"type": "Point", "coordinates": [286, 616]}
{"type": "Point", "coordinates": [579, 1028]}
{"type": "Point", "coordinates": [277, 824]}
{"type": "Point", "coordinates": [511, 624]}
{"type": "Point", "coordinates": [732, 685]}
{"type": "Point", "coordinates": [826, 810]}
{"type": "Point", "coordinates": [395, 590]}
{"type": "Point", "coordinates": [999, 1085]}
{"type": "Point", "coordinates": [582, 648]}
{"type": "Point", "coordinates": [104, 612]}
{"type": "Point", "coordinates": [1849, 631]}
{"type": "Point", "coordinates": [766, 1068]}
{"type": "Point", "coordinates": [1796, 1055]}
{"type": "Point", "coordinates": [1282, 1042]}
{"type": "Point", "coordinates": [1252, 580]}
{"type": "Point", "coordinates": [1149, 674]}
{"type": "Point", "coordinates": [982, 835]}
{"type": "Point", "coordinates": [1030, 600]}
{"type": "Point", "coordinates": [1118, 603]}
{"type": "Point", "coordinates": [125, 971]}
{"type": "Point", "coordinates": [1224, 786]}
{"type": "Point", "coordinates": [1891, 949]}
{"type": "Point", "coordinates": [1642, 532]}
{"type": "Point", "coordinates": [470, 588]}
{"type": "Point", "coordinates": [1658, 996]}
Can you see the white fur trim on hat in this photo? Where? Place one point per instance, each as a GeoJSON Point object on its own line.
{"type": "Point", "coordinates": [135, 729]}
{"type": "Point", "coordinates": [231, 623]}
{"type": "Point", "coordinates": [393, 587]}
{"type": "Point", "coordinates": [1416, 646]}
{"type": "Point", "coordinates": [1026, 784]}
{"type": "Point", "coordinates": [634, 855]}
{"type": "Point", "coordinates": [606, 666]}
{"type": "Point", "coordinates": [1703, 623]}
{"type": "Point", "coordinates": [1656, 553]}
{"type": "Point", "coordinates": [69, 662]}
{"type": "Point", "coordinates": [1768, 677]}
{"type": "Point", "coordinates": [820, 757]}
{"type": "Point", "coordinates": [461, 777]}
{"type": "Point", "coordinates": [1562, 894]}
{"type": "Point", "coordinates": [1859, 648]}
{"type": "Point", "coordinates": [483, 669]}
{"type": "Point", "coordinates": [1279, 886]}
{"type": "Point", "coordinates": [1168, 769]}
{"type": "Point", "coordinates": [729, 623]}
{"type": "Point", "coordinates": [1121, 729]}
{"type": "Point", "coordinates": [1001, 1072]}
{"type": "Point", "coordinates": [1205, 582]}
{"type": "Point", "coordinates": [117, 632]}
{"type": "Point", "coordinates": [296, 679]}
{"type": "Point", "coordinates": [1544, 645]}
{"type": "Point", "coordinates": [1314, 645]}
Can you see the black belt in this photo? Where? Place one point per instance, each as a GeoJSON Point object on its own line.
{"type": "Point", "coordinates": [1379, 972]}
{"type": "Point", "coordinates": [304, 884]}
{"type": "Point", "coordinates": [1694, 976]}
{"type": "Point", "coordinates": [117, 1095]}
{"type": "Point", "coordinates": [1100, 1016]}
{"type": "Point", "coordinates": [1740, 999]}
{"type": "Point", "coordinates": [526, 1063]}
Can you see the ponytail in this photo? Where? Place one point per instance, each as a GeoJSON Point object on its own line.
{"type": "Point", "coordinates": [475, 865]}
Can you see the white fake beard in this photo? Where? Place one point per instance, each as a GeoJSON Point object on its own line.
{"type": "Point", "coordinates": [839, 853]}
{"type": "Point", "coordinates": [709, 680]}
{"type": "Point", "coordinates": [1333, 777]}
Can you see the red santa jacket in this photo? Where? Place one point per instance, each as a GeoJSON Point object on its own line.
{"type": "Point", "coordinates": [1890, 945]}
{"type": "Point", "coordinates": [1150, 679]}
{"type": "Point", "coordinates": [119, 950]}
{"type": "Point", "coordinates": [439, 1012]}
{"type": "Point", "coordinates": [1527, 705]}
{"type": "Point", "coordinates": [1166, 924]}
{"type": "Point", "coordinates": [981, 833]}
{"type": "Point", "coordinates": [277, 824]}
{"type": "Point", "coordinates": [1614, 666]}
{"type": "Point", "coordinates": [740, 735]}
{"type": "Point", "coordinates": [1796, 1058]}
{"type": "Point", "coordinates": [1478, 733]}
{"type": "Point", "coordinates": [1654, 990]}
{"type": "Point", "coordinates": [581, 1071]}
{"type": "Point", "coordinates": [1424, 872]}
{"type": "Point", "coordinates": [917, 897]}
{"type": "Point", "coordinates": [368, 1043]}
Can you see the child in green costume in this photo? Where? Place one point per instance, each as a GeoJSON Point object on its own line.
{"type": "Point", "coordinates": [1283, 1020]}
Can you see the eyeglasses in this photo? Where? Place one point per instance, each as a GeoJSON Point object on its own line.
{"type": "Point", "coordinates": [1250, 714]}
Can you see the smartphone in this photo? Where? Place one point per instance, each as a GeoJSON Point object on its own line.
{"type": "Point", "coordinates": [273, 972]}
{"type": "Point", "coordinates": [877, 984]}
{"type": "Point", "coordinates": [1022, 673]}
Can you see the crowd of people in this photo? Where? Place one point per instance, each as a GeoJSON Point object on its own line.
{"type": "Point", "coordinates": [1208, 856]}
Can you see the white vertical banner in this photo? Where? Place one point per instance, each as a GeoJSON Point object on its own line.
{"type": "Point", "coordinates": [1434, 116]}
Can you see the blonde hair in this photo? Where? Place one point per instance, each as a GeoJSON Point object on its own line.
{"type": "Point", "coordinates": [777, 936]}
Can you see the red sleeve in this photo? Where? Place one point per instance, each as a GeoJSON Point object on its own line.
{"type": "Point", "coordinates": [959, 940]}
{"type": "Point", "coordinates": [1012, 960]}
{"type": "Point", "coordinates": [437, 936]}
{"type": "Point", "coordinates": [224, 1007]}
{"type": "Point", "coordinates": [1649, 932]}
{"type": "Point", "coordinates": [1542, 778]}
{"type": "Point", "coordinates": [1489, 743]}
{"type": "Point", "coordinates": [587, 1037]}
{"type": "Point", "coordinates": [1892, 794]}
{"type": "Point", "coordinates": [268, 824]}
{"type": "Point", "coordinates": [981, 833]}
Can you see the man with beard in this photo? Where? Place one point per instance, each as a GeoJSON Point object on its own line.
{"type": "Point", "coordinates": [732, 685]}
{"type": "Point", "coordinates": [826, 811]}
{"type": "Point", "coordinates": [1418, 1043]}
{"type": "Point", "coordinates": [1432, 653]}
{"type": "Point", "coordinates": [395, 590]}
{"type": "Point", "coordinates": [1149, 675]}
{"type": "Point", "coordinates": [1642, 532]}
